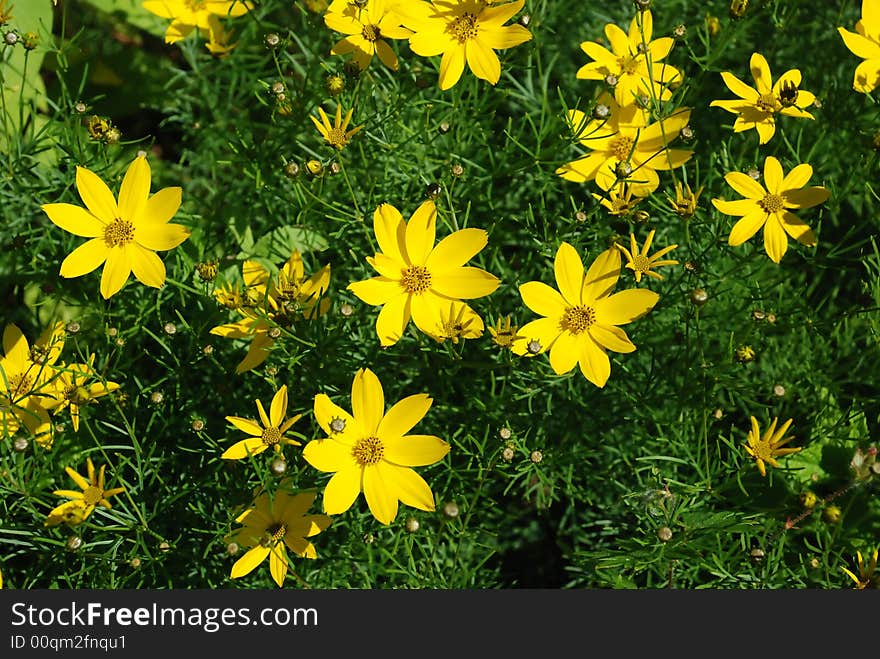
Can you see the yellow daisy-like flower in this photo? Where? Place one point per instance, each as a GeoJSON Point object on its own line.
{"type": "Point", "coordinates": [865, 578]}
{"type": "Point", "coordinates": [619, 200]}
{"type": "Point", "coordinates": [464, 32]}
{"type": "Point", "coordinates": [638, 260]}
{"type": "Point", "coordinates": [83, 502]}
{"type": "Point", "coordinates": [417, 279]}
{"type": "Point", "coordinates": [124, 236]}
{"type": "Point", "coordinates": [189, 15]}
{"type": "Point", "coordinates": [272, 526]}
{"type": "Point", "coordinates": [634, 61]}
{"type": "Point", "coordinates": [336, 134]}
{"type": "Point", "coordinates": [367, 28]}
{"type": "Point", "coordinates": [268, 435]}
{"type": "Point", "coordinates": [73, 387]}
{"type": "Point", "coordinates": [370, 451]}
{"type": "Point", "coordinates": [771, 208]}
{"type": "Point", "coordinates": [266, 306]}
{"type": "Point", "coordinates": [26, 374]}
{"type": "Point", "coordinates": [758, 106]}
{"type": "Point", "coordinates": [458, 321]}
{"type": "Point", "coordinates": [626, 151]}
{"type": "Point", "coordinates": [580, 320]}
{"type": "Point", "coordinates": [767, 447]}
{"type": "Point", "coordinates": [865, 43]}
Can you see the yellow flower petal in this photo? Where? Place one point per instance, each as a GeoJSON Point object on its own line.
{"type": "Point", "coordinates": [483, 61]}
{"type": "Point", "coordinates": [375, 291]}
{"type": "Point", "coordinates": [246, 425]}
{"type": "Point", "coordinates": [464, 283]}
{"type": "Point", "coordinates": [85, 258]}
{"type": "Point", "coordinates": [404, 415]}
{"type": "Point", "coordinates": [745, 185]}
{"type": "Point", "coordinates": [161, 237]}
{"type": "Point", "coordinates": [564, 353]}
{"type": "Point", "coordinates": [116, 271]}
{"type": "Point", "coordinates": [738, 87]}
{"type": "Point", "coordinates": [329, 455]}
{"type": "Point", "coordinates": [569, 272]}
{"type": "Point", "coordinates": [135, 188]}
{"type": "Point", "coordinates": [367, 400]}
{"type": "Point", "coordinates": [380, 493]}
{"type": "Point", "coordinates": [74, 219]}
{"type": "Point", "coordinates": [409, 487]}
{"type": "Point", "coordinates": [544, 330]}
{"type": "Point", "coordinates": [326, 410]}
{"type": "Point", "coordinates": [414, 450]}
{"type": "Point", "coordinates": [544, 300]}
{"type": "Point", "coordinates": [737, 208]}
{"type": "Point", "coordinates": [594, 363]}
{"type": "Point", "coordinates": [456, 249]}
{"type": "Point", "coordinates": [602, 276]}
{"type": "Point", "coordinates": [278, 563]}
{"type": "Point", "coordinates": [249, 561]}
{"type": "Point", "coordinates": [798, 229]}
{"type": "Point", "coordinates": [342, 490]}
{"type": "Point", "coordinates": [611, 337]}
{"type": "Point", "coordinates": [761, 73]}
{"type": "Point", "coordinates": [278, 408]}
{"type": "Point", "coordinates": [775, 240]}
{"type": "Point", "coordinates": [773, 175]}
{"type": "Point", "coordinates": [390, 229]}
{"type": "Point", "coordinates": [244, 448]}
{"type": "Point", "coordinates": [146, 266]}
{"type": "Point", "coordinates": [393, 319]}
{"type": "Point", "coordinates": [96, 195]}
{"type": "Point", "coordinates": [452, 66]}
{"type": "Point", "coordinates": [625, 306]}
{"type": "Point", "coordinates": [420, 232]}
{"type": "Point", "coordinates": [747, 226]}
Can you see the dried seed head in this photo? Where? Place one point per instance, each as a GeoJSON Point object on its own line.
{"type": "Point", "coordinates": [79, 107]}
{"type": "Point", "coordinates": [443, 127]}
{"type": "Point", "coordinates": [411, 524]}
{"type": "Point", "coordinates": [757, 555]}
{"type": "Point", "coordinates": [278, 466]}
{"type": "Point", "coordinates": [232, 548]}
{"type": "Point", "coordinates": [679, 31]}
{"type": "Point", "coordinates": [580, 216]}
{"type": "Point", "coordinates": [457, 170]}
{"type": "Point", "coordinates": [157, 397]}
{"type": "Point", "coordinates": [754, 173]}
{"type": "Point", "coordinates": [699, 297]}
{"type": "Point", "coordinates": [686, 133]}
{"type": "Point", "coordinates": [664, 534]}
{"type": "Point", "coordinates": [272, 39]}
{"type": "Point", "coordinates": [198, 425]}
{"type": "Point", "coordinates": [507, 454]}
{"type": "Point", "coordinates": [170, 328]}
{"type": "Point", "coordinates": [524, 20]}
{"type": "Point", "coordinates": [274, 332]}
{"type": "Point", "coordinates": [601, 112]}
{"type": "Point", "coordinates": [504, 432]}
{"type": "Point", "coordinates": [20, 444]}
{"type": "Point", "coordinates": [291, 170]}
{"type": "Point", "coordinates": [164, 546]}
{"type": "Point", "coordinates": [74, 543]}
{"type": "Point", "coordinates": [611, 80]}
{"type": "Point", "coordinates": [135, 563]}
{"type": "Point", "coordinates": [536, 457]}
{"type": "Point", "coordinates": [277, 87]}
{"type": "Point", "coordinates": [346, 309]}
{"type": "Point", "coordinates": [778, 390]}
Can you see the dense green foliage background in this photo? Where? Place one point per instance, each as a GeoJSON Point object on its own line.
{"type": "Point", "coordinates": [659, 446]}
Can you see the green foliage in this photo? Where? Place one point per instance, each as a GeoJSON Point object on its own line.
{"type": "Point", "coordinates": [643, 483]}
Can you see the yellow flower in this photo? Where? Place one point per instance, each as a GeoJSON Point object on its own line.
{"type": "Point", "coordinates": [370, 451]}
{"type": "Point", "coordinates": [625, 150]}
{"type": "Point", "coordinates": [71, 389]}
{"type": "Point", "coordinates": [581, 319]}
{"type": "Point", "coordinates": [758, 106]}
{"type": "Point", "coordinates": [865, 578]}
{"type": "Point", "coordinates": [771, 208]}
{"type": "Point", "coordinates": [416, 279]}
{"type": "Point", "coordinates": [82, 503]}
{"type": "Point", "coordinates": [268, 435]}
{"type": "Point", "coordinates": [767, 447]}
{"type": "Point", "coordinates": [464, 32]}
{"type": "Point", "coordinates": [267, 306]}
{"type": "Point", "coordinates": [634, 60]}
{"type": "Point", "coordinates": [125, 235]}
{"type": "Point", "coordinates": [188, 15]}
{"type": "Point", "coordinates": [865, 43]}
{"type": "Point", "coordinates": [367, 28]}
{"type": "Point", "coordinates": [335, 134]}
{"type": "Point", "coordinates": [26, 374]}
{"type": "Point", "coordinates": [685, 202]}
{"type": "Point", "coordinates": [271, 526]}
{"type": "Point", "coordinates": [219, 38]}
{"type": "Point", "coordinates": [504, 334]}
{"type": "Point", "coordinates": [639, 261]}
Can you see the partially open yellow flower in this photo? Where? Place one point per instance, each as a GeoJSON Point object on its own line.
{"type": "Point", "coordinates": [82, 503]}
{"type": "Point", "coordinates": [269, 433]}
{"type": "Point", "coordinates": [767, 447]}
{"type": "Point", "coordinates": [638, 260]}
{"type": "Point", "coordinates": [336, 134]}
{"type": "Point", "coordinates": [124, 235]}
{"type": "Point", "coordinates": [371, 450]}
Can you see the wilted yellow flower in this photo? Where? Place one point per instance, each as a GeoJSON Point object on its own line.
{"type": "Point", "coordinates": [503, 333]}
{"type": "Point", "coordinates": [685, 202]}
{"type": "Point", "coordinates": [619, 200]}
{"type": "Point", "coordinates": [75, 385]}
{"type": "Point", "coordinates": [865, 578]}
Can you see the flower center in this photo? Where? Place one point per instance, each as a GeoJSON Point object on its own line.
{"type": "Point", "coordinates": [640, 263]}
{"type": "Point", "coordinates": [577, 319]}
{"type": "Point", "coordinates": [20, 384]}
{"type": "Point", "coordinates": [275, 533]}
{"type": "Point", "coordinates": [336, 137]}
{"type": "Point", "coordinates": [195, 5]}
{"type": "Point", "coordinates": [772, 203]}
{"type": "Point", "coordinates": [368, 451]}
{"type": "Point", "coordinates": [92, 495]}
{"type": "Point", "coordinates": [622, 147]}
{"type": "Point", "coordinates": [288, 289]}
{"type": "Point", "coordinates": [464, 27]}
{"type": "Point", "coordinates": [763, 451]}
{"type": "Point", "coordinates": [415, 279]}
{"type": "Point", "coordinates": [77, 395]}
{"type": "Point", "coordinates": [628, 63]}
{"type": "Point", "coordinates": [767, 102]}
{"type": "Point", "coordinates": [118, 233]}
{"type": "Point", "coordinates": [271, 436]}
{"type": "Point", "coordinates": [371, 33]}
